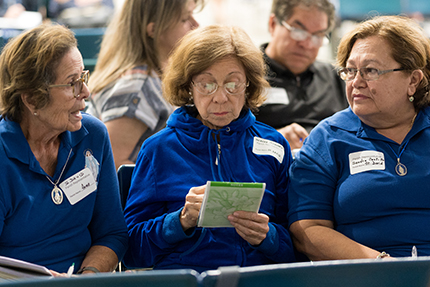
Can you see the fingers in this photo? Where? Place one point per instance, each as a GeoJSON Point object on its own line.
{"type": "Point", "coordinates": [193, 203]}
{"type": "Point", "coordinates": [251, 226]}
{"type": "Point", "coordinates": [295, 135]}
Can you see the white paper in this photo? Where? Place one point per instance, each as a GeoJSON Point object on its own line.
{"type": "Point", "coordinates": [267, 147]}
{"type": "Point", "coordinates": [365, 161]}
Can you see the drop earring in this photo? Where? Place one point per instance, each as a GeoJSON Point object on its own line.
{"type": "Point", "coordinates": [411, 99]}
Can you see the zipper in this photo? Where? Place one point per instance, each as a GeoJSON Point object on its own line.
{"type": "Point", "coordinates": [298, 81]}
{"type": "Point", "coordinates": [219, 154]}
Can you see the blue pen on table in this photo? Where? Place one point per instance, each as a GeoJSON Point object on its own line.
{"type": "Point", "coordinates": [71, 269]}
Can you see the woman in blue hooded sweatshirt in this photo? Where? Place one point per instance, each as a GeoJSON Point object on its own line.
{"type": "Point", "coordinates": [216, 77]}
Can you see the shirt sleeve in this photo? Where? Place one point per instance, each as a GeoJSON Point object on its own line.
{"type": "Point", "coordinates": [313, 183]}
{"type": "Point", "coordinates": [152, 232]}
{"type": "Point", "coordinates": [134, 96]}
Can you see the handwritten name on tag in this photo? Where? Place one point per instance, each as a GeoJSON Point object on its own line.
{"type": "Point", "coordinates": [79, 185]}
{"type": "Point", "coordinates": [268, 147]}
{"type": "Point", "coordinates": [277, 96]}
{"type": "Point", "coordinates": [366, 160]}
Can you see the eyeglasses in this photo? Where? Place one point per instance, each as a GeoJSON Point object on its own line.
{"type": "Point", "coordinates": [208, 88]}
{"type": "Point", "coordinates": [77, 85]}
{"type": "Point", "coordinates": [368, 74]}
{"type": "Point", "coordinates": [301, 35]}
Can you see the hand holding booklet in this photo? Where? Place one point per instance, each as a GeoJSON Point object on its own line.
{"type": "Point", "coordinates": [223, 198]}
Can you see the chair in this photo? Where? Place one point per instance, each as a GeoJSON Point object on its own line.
{"type": "Point", "coordinates": [89, 40]}
{"type": "Point", "coordinates": [155, 278]}
{"type": "Point", "coordinates": [352, 273]}
{"type": "Point", "coordinates": [124, 172]}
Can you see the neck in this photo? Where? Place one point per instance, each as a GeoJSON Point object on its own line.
{"type": "Point", "coordinates": [43, 142]}
{"type": "Point", "coordinates": [399, 132]}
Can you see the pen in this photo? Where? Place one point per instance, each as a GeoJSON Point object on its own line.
{"type": "Point", "coordinates": [70, 270]}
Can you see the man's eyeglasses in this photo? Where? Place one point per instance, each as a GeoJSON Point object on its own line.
{"type": "Point", "coordinates": [301, 35]}
{"type": "Point", "coordinates": [208, 88]}
{"type": "Point", "coordinates": [77, 85]}
{"type": "Point", "coordinates": [368, 74]}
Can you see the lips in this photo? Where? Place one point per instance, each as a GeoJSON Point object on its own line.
{"type": "Point", "coordinates": [221, 113]}
{"type": "Point", "coordinates": [359, 97]}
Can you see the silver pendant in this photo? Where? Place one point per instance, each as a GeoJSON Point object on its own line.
{"type": "Point", "coordinates": [57, 195]}
{"type": "Point", "coordinates": [401, 169]}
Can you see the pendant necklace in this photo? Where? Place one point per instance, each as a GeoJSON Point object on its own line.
{"type": "Point", "coordinates": [400, 167]}
{"type": "Point", "coordinates": [57, 193]}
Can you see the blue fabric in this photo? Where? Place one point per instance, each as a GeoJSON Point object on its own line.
{"type": "Point", "coordinates": [183, 155]}
{"type": "Point", "coordinates": [32, 227]}
{"type": "Point", "coordinates": [376, 208]}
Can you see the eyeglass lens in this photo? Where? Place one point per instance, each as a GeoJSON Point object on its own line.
{"type": "Point", "coordinates": [78, 84]}
{"type": "Point", "coordinates": [368, 74]}
{"type": "Point", "coordinates": [299, 34]}
{"type": "Point", "coordinates": [208, 88]}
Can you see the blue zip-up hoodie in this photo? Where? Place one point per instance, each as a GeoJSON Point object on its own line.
{"type": "Point", "coordinates": [185, 154]}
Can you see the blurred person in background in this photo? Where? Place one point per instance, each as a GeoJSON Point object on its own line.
{"type": "Point", "coordinates": [304, 91]}
{"type": "Point", "coordinates": [13, 8]}
{"type": "Point", "coordinates": [126, 82]}
{"type": "Point", "coordinates": [81, 13]}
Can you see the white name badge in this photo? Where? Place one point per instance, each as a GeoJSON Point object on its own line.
{"type": "Point", "coordinates": [277, 96]}
{"type": "Point", "coordinates": [79, 186]}
{"type": "Point", "coordinates": [267, 147]}
{"type": "Point", "coordinates": [366, 160]}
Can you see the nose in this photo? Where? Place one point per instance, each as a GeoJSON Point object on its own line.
{"type": "Point", "coordinates": [85, 92]}
{"type": "Point", "coordinates": [220, 96]}
{"type": "Point", "coordinates": [358, 80]}
{"type": "Point", "coordinates": [194, 23]}
{"type": "Point", "coordinates": [307, 43]}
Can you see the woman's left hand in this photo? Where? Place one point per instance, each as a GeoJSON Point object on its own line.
{"type": "Point", "coordinates": [251, 226]}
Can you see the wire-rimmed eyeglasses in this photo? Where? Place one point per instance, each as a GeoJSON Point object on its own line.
{"type": "Point", "coordinates": [301, 35]}
{"type": "Point", "coordinates": [208, 88]}
{"type": "Point", "coordinates": [368, 74]}
{"type": "Point", "coordinates": [77, 85]}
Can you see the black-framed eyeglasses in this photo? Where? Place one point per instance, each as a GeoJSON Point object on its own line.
{"type": "Point", "coordinates": [209, 88]}
{"type": "Point", "coordinates": [301, 35]}
{"type": "Point", "coordinates": [368, 74]}
{"type": "Point", "coordinates": [77, 85]}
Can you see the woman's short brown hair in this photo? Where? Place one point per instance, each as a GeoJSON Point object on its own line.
{"type": "Point", "coordinates": [203, 47]}
{"type": "Point", "coordinates": [28, 65]}
{"type": "Point", "coordinates": [410, 47]}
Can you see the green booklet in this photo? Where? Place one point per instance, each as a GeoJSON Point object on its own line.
{"type": "Point", "coordinates": [223, 198]}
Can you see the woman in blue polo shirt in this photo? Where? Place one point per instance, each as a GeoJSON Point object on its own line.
{"type": "Point", "coordinates": [59, 199]}
{"type": "Point", "coordinates": [360, 184]}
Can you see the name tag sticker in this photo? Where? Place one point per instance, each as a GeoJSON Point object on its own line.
{"type": "Point", "coordinates": [79, 186]}
{"type": "Point", "coordinates": [277, 96]}
{"type": "Point", "coordinates": [267, 147]}
{"type": "Point", "coordinates": [366, 160]}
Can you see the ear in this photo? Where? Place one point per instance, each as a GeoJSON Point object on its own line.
{"type": "Point", "coordinates": [150, 29]}
{"type": "Point", "coordinates": [272, 23]}
{"type": "Point", "coordinates": [26, 100]}
{"type": "Point", "coordinates": [415, 80]}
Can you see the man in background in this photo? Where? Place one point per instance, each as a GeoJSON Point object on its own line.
{"type": "Point", "coordinates": [304, 91]}
{"type": "Point", "coordinates": [13, 8]}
